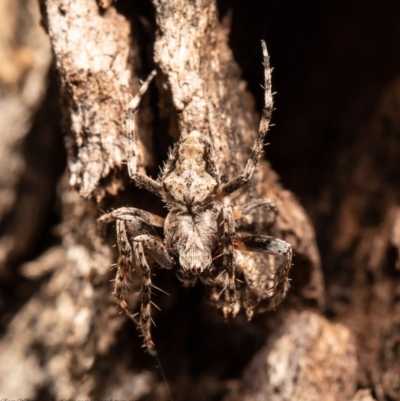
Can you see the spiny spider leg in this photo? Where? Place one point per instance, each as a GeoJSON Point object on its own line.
{"type": "Point", "coordinates": [138, 226]}
{"type": "Point", "coordinates": [226, 233]}
{"type": "Point", "coordinates": [143, 181]}
{"type": "Point", "coordinates": [125, 213]}
{"type": "Point", "coordinates": [272, 246]}
{"type": "Point", "coordinates": [257, 149]}
{"type": "Point", "coordinates": [124, 268]}
{"type": "Point", "coordinates": [265, 244]}
{"type": "Point", "coordinates": [144, 246]}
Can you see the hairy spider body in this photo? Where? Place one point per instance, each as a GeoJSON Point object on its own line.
{"type": "Point", "coordinates": [190, 182]}
{"type": "Point", "coordinates": [199, 229]}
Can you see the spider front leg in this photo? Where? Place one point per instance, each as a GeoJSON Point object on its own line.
{"type": "Point", "coordinates": [142, 180]}
{"type": "Point", "coordinates": [257, 149]}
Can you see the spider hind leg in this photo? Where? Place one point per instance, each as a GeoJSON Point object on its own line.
{"type": "Point", "coordinates": [266, 287]}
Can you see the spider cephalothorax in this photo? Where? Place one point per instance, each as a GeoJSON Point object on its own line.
{"type": "Point", "coordinates": [200, 240]}
{"type": "Point", "coordinates": [190, 181]}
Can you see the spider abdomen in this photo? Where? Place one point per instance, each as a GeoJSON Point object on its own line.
{"type": "Point", "coordinates": [193, 237]}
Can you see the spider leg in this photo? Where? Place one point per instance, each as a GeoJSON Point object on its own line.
{"type": "Point", "coordinates": [265, 244]}
{"type": "Point", "coordinates": [137, 221]}
{"type": "Point", "coordinates": [144, 246]}
{"type": "Point", "coordinates": [272, 246]}
{"type": "Point", "coordinates": [142, 180]}
{"type": "Point", "coordinates": [258, 146]}
{"type": "Point", "coordinates": [135, 224]}
{"type": "Point", "coordinates": [226, 233]}
{"type": "Point", "coordinates": [257, 204]}
{"type": "Point", "coordinates": [131, 214]}
{"type": "Point", "coordinates": [124, 268]}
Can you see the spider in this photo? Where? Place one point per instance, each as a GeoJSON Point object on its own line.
{"type": "Point", "coordinates": [200, 241]}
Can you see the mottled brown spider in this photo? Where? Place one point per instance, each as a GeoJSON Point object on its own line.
{"type": "Point", "coordinates": [199, 226]}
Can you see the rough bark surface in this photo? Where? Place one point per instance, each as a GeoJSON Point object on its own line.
{"type": "Point", "coordinates": [301, 360]}
{"type": "Point", "coordinates": [92, 59]}
{"type": "Point", "coordinates": [62, 336]}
